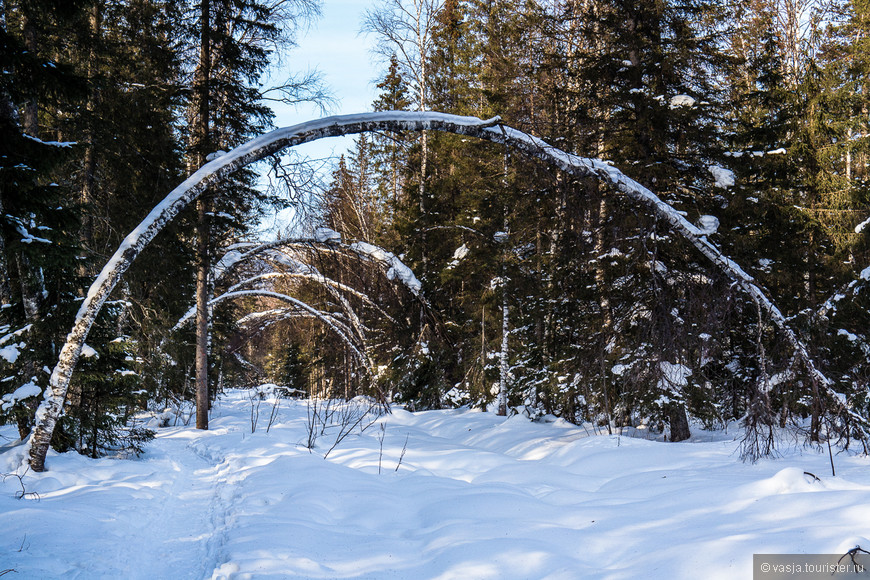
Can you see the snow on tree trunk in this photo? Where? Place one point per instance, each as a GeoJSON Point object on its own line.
{"type": "Point", "coordinates": [503, 355]}
{"type": "Point", "coordinates": [394, 121]}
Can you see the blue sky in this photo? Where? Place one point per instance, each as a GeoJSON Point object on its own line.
{"type": "Point", "coordinates": [335, 47]}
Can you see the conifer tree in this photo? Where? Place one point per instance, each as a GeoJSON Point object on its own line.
{"type": "Point", "coordinates": [233, 41]}
{"type": "Point", "coordinates": [130, 155]}
{"type": "Point", "coordinates": [37, 248]}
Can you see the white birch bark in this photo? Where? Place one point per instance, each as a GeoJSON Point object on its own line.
{"type": "Point", "coordinates": [503, 366]}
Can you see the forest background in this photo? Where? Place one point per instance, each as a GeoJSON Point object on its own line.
{"type": "Point", "coordinates": [542, 293]}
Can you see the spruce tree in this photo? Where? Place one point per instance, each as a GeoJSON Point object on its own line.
{"type": "Point", "coordinates": [37, 232]}
{"type": "Point", "coordinates": [233, 41]}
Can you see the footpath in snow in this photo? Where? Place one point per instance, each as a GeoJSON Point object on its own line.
{"type": "Point", "coordinates": [475, 496]}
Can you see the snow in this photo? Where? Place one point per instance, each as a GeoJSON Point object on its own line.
{"type": "Point", "coordinates": [10, 353]}
{"type": "Point", "coordinates": [291, 263]}
{"type": "Point", "coordinates": [724, 178]}
{"type": "Point", "coordinates": [25, 391]}
{"type": "Point", "coordinates": [708, 224]}
{"type": "Point", "coordinates": [777, 380]}
{"type": "Point", "coordinates": [619, 369]}
{"type": "Point", "coordinates": [675, 374]}
{"type": "Point", "coordinates": [234, 254]}
{"type": "Point", "coordinates": [62, 144]}
{"type": "Point", "coordinates": [89, 352]}
{"type": "Point", "coordinates": [227, 261]}
{"type": "Point", "coordinates": [849, 336]}
{"type": "Point", "coordinates": [28, 238]}
{"type": "Point", "coordinates": [678, 101]}
{"type": "Point", "coordinates": [397, 269]}
{"type": "Point", "coordinates": [472, 495]}
{"type": "Point", "coordinates": [458, 256]}
{"type": "Point", "coordinates": [326, 235]}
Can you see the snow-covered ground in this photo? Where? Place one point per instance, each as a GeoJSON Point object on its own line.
{"type": "Point", "coordinates": [475, 496]}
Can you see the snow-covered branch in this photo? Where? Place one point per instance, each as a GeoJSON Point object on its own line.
{"type": "Point", "coordinates": [311, 274]}
{"type": "Point", "coordinates": [396, 269]}
{"type": "Point", "coordinates": [339, 328]}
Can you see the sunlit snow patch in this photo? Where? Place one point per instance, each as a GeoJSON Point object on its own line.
{"type": "Point", "coordinates": [724, 178]}
{"type": "Point", "coordinates": [28, 389]}
{"type": "Point", "coordinates": [682, 101]}
{"type": "Point", "coordinates": [708, 224]}
{"type": "Point", "coordinates": [327, 236]}
{"type": "Point", "coordinates": [458, 255]}
{"type": "Point", "coordinates": [89, 352]}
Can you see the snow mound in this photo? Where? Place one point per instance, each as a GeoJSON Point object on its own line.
{"type": "Point", "coordinates": [850, 543]}
{"type": "Point", "coordinates": [788, 480]}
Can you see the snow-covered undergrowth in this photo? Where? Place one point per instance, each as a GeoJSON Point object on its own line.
{"type": "Point", "coordinates": [475, 496]}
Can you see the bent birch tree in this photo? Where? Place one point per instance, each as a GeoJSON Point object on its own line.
{"type": "Point", "coordinates": [394, 121]}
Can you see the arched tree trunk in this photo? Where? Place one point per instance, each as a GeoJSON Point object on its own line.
{"type": "Point", "coordinates": [395, 121]}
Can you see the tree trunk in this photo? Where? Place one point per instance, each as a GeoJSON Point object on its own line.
{"type": "Point", "coordinates": [422, 193]}
{"type": "Point", "coordinates": [89, 169]}
{"type": "Point", "coordinates": [503, 367]}
{"type": "Point", "coordinates": [679, 423]}
{"type": "Point", "coordinates": [5, 287]}
{"type": "Point", "coordinates": [30, 118]}
{"type": "Point", "coordinates": [31, 280]}
{"type": "Point", "coordinates": [203, 266]}
{"type": "Point", "coordinates": [8, 113]}
{"type": "Point", "coordinates": [202, 318]}
{"type": "Point", "coordinates": [503, 357]}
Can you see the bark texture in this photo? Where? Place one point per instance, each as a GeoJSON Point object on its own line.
{"type": "Point", "coordinates": [201, 147]}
